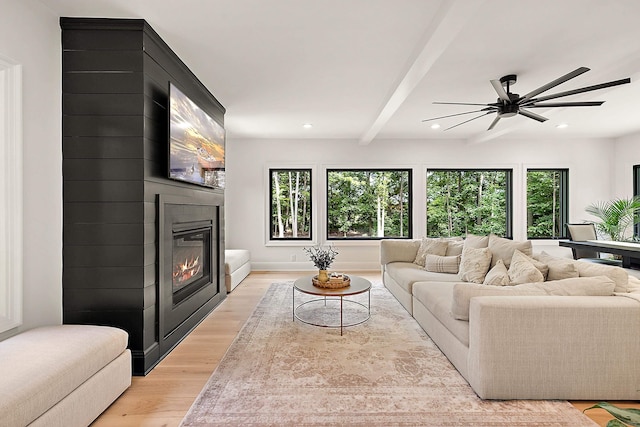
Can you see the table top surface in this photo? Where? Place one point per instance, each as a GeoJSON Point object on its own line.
{"type": "Point", "coordinates": [358, 285]}
{"type": "Point", "coordinates": [605, 244]}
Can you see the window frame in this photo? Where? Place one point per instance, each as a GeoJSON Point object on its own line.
{"type": "Point", "coordinates": [508, 195]}
{"type": "Point", "coordinates": [636, 192]}
{"type": "Point", "coordinates": [564, 202]}
{"type": "Point", "coordinates": [409, 172]}
{"type": "Point", "coordinates": [270, 237]}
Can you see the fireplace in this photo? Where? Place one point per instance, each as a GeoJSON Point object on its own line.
{"type": "Point", "coordinates": [191, 259]}
{"type": "Point", "coordinates": [191, 270]}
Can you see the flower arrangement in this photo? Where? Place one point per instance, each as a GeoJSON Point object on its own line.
{"type": "Point", "coordinates": [321, 257]}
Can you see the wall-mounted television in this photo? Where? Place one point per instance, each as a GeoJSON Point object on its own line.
{"type": "Point", "coordinates": [196, 143]}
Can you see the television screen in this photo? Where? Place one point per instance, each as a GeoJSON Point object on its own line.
{"type": "Point", "coordinates": [196, 143]}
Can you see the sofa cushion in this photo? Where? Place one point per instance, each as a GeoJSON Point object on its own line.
{"type": "Point", "coordinates": [476, 242]}
{"type": "Point", "coordinates": [559, 268]}
{"type": "Point", "coordinates": [578, 286]}
{"type": "Point", "coordinates": [442, 264]}
{"type": "Point", "coordinates": [454, 247]}
{"type": "Point", "coordinates": [398, 250]}
{"type": "Point", "coordinates": [617, 274]}
{"type": "Point", "coordinates": [474, 264]}
{"type": "Point", "coordinates": [407, 273]}
{"type": "Point", "coordinates": [522, 270]}
{"type": "Point", "coordinates": [436, 297]}
{"type": "Point", "coordinates": [41, 366]}
{"type": "Point", "coordinates": [498, 275]}
{"type": "Point", "coordinates": [235, 258]}
{"type": "Point", "coordinates": [503, 249]}
{"type": "Point", "coordinates": [434, 246]}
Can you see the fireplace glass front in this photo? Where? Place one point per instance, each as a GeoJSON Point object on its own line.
{"type": "Point", "coordinates": [191, 262]}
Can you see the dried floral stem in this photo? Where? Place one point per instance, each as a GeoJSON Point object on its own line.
{"type": "Point", "coordinates": [321, 257]}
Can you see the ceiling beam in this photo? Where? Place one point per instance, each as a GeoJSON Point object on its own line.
{"type": "Point", "coordinates": [448, 21]}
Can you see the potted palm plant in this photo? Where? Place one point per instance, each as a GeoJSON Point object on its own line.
{"type": "Point", "coordinates": [615, 217]}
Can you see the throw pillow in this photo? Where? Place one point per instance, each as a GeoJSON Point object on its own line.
{"type": "Point", "coordinates": [541, 266]}
{"type": "Point", "coordinates": [559, 268]}
{"type": "Point", "coordinates": [497, 276]}
{"type": "Point", "coordinates": [474, 264]}
{"type": "Point", "coordinates": [476, 242]}
{"type": "Point", "coordinates": [589, 286]}
{"type": "Point", "coordinates": [454, 247]}
{"type": "Point", "coordinates": [503, 249]}
{"type": "Point", "coordinates": [522, 270]}
{"type": "Point", "coordinates": [434, 246]}
{"type": "Point", "coordinates": [442, 264]}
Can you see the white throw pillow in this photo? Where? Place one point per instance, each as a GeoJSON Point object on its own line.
{"type": "Point", "coordinates": [503, 249]}
{"type": "Point", "coordinates": [454, 247]}
{"type": "Point", "coordinates": [579, 286]}
{"type": "Point", "coordinates": [559, 268]}
{"type": "Point", "coordinates": [442, 264]}
{"type": "Point", "coordinates": [498, 275]}
{"type": "Point", "coordinates": [474, 264]}
{"type": "Point", "coordinates": [434, 246]}
{"type": "Point", "coordinates": [522, 270]}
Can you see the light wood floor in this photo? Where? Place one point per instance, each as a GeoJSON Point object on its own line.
{"type": "Point", "coordinates": [164, 396]}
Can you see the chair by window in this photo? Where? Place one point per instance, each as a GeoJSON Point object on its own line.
{"type": "Point", "coordinates": [582, 233]}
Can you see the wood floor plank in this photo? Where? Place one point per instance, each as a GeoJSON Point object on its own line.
{"type": "Point", "coordinates": [164, 396]}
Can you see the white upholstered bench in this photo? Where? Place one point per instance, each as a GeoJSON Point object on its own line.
{"type": "Point", "coordinates": [237, 266]}
{"type": "Point", "coordinates": [63, 375]}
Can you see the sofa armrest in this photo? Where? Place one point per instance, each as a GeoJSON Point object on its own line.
{"type": "Point", "coordinates": [554, 347]}
{"type": "Point", "coordinates": [398, 250]}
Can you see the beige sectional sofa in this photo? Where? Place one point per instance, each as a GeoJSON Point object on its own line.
{"type": "Point", "coordinates": [572, 338]}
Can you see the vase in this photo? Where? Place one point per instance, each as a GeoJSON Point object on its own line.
{"type": "Point", "coordinates": [323, 276]}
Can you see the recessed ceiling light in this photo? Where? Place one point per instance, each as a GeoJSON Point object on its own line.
{"type": "Point", "coordinates": [435, 126]}
{"type": "Point", "coordinates": [562, 126]}
{"type": "Point", "coordinates": [307, 125]}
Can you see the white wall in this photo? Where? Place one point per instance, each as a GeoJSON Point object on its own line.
{"type": "Point", "coordinates": [626, 155]}
{"type": "Point", "coordinates": [30, 35]}
{"type": "Point", "coordinates": [248, 161]}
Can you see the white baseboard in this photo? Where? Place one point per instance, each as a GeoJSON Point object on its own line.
{"type": "Point", "coordinates": [305, 266]}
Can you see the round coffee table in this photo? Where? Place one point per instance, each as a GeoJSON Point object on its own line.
{"type": "Point", "coordinates": [358, 286]}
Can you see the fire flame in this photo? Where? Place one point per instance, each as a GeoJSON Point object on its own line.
{"type": "Point", "coordinates": [185, 271]}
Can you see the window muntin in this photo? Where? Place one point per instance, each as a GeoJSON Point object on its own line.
{"type": "Point", "coordinates": [290, 204]}
{"type": "Point", "coordinates": [547, 203]}
{"type": "Point", "coordinates": [469, 201]}
{"type": "Point", "coordinates": [368, 204]}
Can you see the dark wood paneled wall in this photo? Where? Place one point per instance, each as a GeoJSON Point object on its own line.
{"type": "Point", "coordinates": [116, 75]}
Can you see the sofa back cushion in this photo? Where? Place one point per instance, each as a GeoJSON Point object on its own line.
{"type": "Point", "coordinates": [398, 250]}
{"type": "Point", "coordinates": [617, 274]}
{"type": "Point", "coordinates": [579, 286]}
{"type": "Point", "coordinates": [503, 249]}
{"type": "Point", "coordinates": [559, 268]}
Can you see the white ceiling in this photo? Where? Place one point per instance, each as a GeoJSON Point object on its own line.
{"type": "Point", "coordinates": [371, 69]}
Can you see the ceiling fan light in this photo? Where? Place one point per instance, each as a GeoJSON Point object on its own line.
{"type": "Point", "coordinates": [562, 126]}
{"type": "Point", "coordinates": [307, 125]}
{"type": "Point", "coordinates": [435, 126]}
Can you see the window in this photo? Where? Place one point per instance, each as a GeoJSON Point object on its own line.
{"type": "Point", "coordinates": [368, 203]}
{"type": "Point", "coordinates": [636, 192]}
{"type": "Point", "coordinates": [290, 204]}
{"type": "Point", "coordinates": [475, 201]}
{"type": "Point", "coordinates": [547, 203]}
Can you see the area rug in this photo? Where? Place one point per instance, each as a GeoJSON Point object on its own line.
{"type": "Point", "coordinates": [384, 372]}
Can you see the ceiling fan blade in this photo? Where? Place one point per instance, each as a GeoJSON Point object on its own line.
{"type": "Point", "coordinates": [467, 121]}
{"type": "Point", "coordinates": [502, 94]}
{"type": "Point", "coordinates": [494, 122]}
{"type": "Point", "coordinates": [556, 82]}
{"type": "Point", "coordinates": [459, 114]}
{"type": "Point", "coordinates": [567, 104]}
{"type": "Point", "coordinates": [460, 103]}
{"type": "Point", "coordinates": [531, 115]}
{"type": "Point", "coordinates": [577, 91]}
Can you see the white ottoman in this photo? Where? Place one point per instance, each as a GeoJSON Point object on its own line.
{"type": "Point", "coordinates": [237, 266]}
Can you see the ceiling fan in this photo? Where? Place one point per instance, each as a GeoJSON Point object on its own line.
{"type": "Point", "coordinates": [509, 104]}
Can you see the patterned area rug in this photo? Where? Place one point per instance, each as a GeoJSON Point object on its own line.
{"type": "Point", "coordinates": [384, 372]}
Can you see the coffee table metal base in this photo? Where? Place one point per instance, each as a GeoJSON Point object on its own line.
{"type": "Point", "coordinates": [332, 296]}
